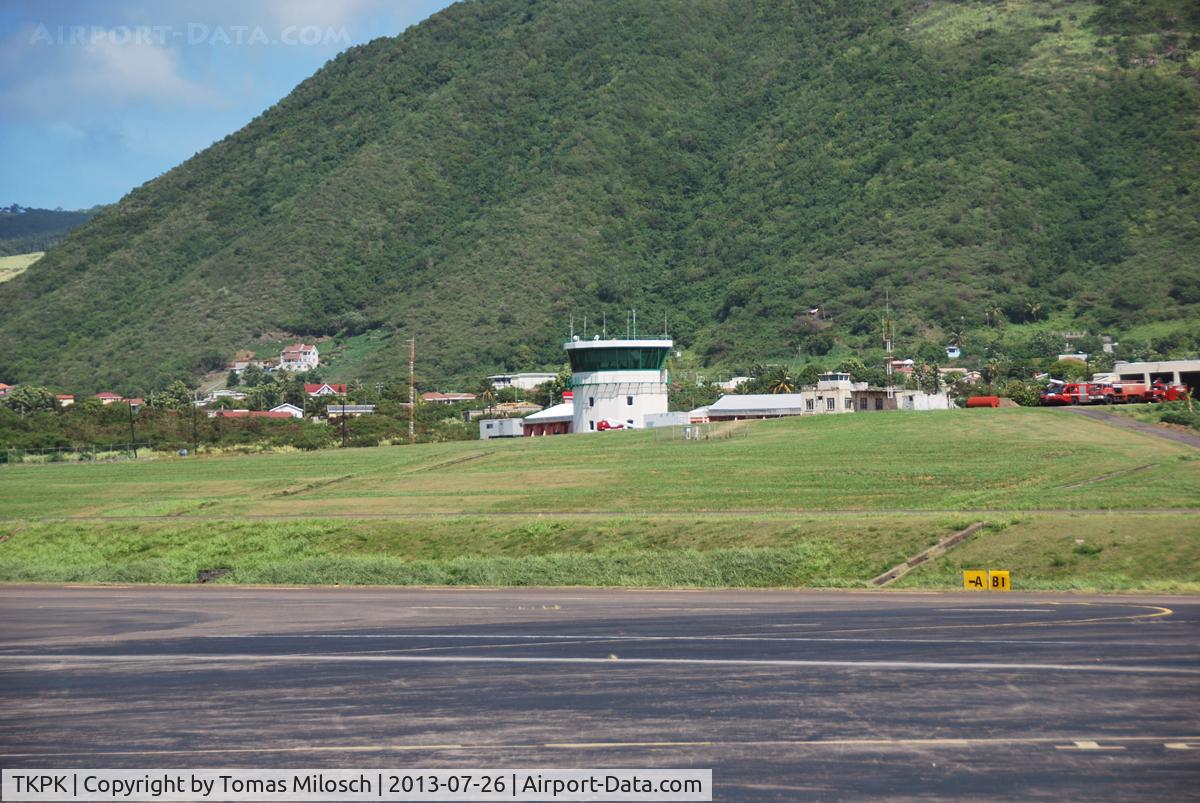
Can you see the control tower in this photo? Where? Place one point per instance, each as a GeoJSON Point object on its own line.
{"type": "Point", "coordinates": [617, 383]}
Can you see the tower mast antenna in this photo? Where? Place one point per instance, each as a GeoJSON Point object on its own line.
{"type": "Point", "coordinates": [412, 391]}
{"type": "Point", "coordinates": [889, 334]}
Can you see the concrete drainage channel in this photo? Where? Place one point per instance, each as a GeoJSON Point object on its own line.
{"type": "Point", "coordinates": [896, 572]}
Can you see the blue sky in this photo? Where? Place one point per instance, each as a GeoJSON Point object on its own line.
{"type": "Point", "coordinates": [98, 97]}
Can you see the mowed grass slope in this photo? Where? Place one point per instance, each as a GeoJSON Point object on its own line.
{"type": "Point", "coordinates": [828, 500]}
{"type": "Point", "coordinates": [957, 460]}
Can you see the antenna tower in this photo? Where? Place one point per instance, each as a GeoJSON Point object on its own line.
{"type": "Point", "coordinates": [889, 335]}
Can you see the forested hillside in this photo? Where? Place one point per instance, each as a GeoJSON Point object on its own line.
{"type": "Point", "coordinates": [731, 164]}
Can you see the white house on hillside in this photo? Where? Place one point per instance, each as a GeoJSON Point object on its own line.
{"type": "Point", "coordinates": [290, 409]}
{"type": "Point", "coordinates": [524, 381]}
{"type": "Point", "coordinates": [299, 357]}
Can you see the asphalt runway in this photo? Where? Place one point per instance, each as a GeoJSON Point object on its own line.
{"type": "Point", "coordinates": [785, 695]}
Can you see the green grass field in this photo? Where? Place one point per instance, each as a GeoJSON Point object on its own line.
{"type": "Point", "coordinates": [828, 500]}
{"type": "Point", "coordinates": [15, 265]}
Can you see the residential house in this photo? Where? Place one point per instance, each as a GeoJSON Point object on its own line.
{"type": "Point", "coordinates": [4, 389]}
{"type": "Point", "coordinates": [351, 410]}
{"type": "Point", "coordinates": [223, 393]}
{"type": "Point", "coordinates": [326, 389]}
{"type": "Point", "coordinates": [280, 414]}
{"type": "Point", "coordinates": [65, 399]}
{"type": "Point", "coordinates": [290, 409]}
{"type": "Point", "coordinates": [523, 381]}
{"type": "Point", "coordinates": [299, 357]}
{"type": "Point", "coordinates": [447, 398]}
{"type": "Point", "coordinates": [106, 398]}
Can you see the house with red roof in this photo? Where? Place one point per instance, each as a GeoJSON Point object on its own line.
{"type": "Point", "coordinates": [107, 398]}
{"type": "Point", "coordinates": [299, 357]}
{"type": "Point", "coordinates": [277, 414]}
{"type": "Point", "coordinates": [325, 389]}
{"type": "Point", "coordinates": [65, 399]}
{"type": "Point", "coordinates": [4, 389]}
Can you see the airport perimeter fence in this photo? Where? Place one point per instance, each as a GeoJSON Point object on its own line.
{"type": "Point", "coordinates": [85, 453]}
{"type": "Point", "coordinates": [695, 433]}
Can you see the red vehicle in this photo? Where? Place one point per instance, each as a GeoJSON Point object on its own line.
{"type": "Point", "coordinates": [1075, 393]}
{"type": "Point", "coordinates": [1060, 392]}
{"type": "Point", "coordinates": [1162, 391]}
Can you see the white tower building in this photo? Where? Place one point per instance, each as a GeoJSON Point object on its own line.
{"type": "Point", "coordinates": [617, 383]}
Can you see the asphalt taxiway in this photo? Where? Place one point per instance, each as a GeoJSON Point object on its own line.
{"type": "Point", "coordinates": [783, 694]}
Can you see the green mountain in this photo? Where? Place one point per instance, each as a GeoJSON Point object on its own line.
{"type": "Point", "coordinates": [508, 164]}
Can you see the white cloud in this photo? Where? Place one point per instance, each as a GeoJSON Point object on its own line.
{"type": "Point", "coordinates": [60, 81]}
{"type": "Point", "coordinates": [322, 13]}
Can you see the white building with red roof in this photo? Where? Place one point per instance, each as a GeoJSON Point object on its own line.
{"type": "Point", "coordinates": [299, 357]}
{"type": "Point", "coordinates": [326, 389]}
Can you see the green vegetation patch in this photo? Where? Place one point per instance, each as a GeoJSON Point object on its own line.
{"type": "Point", "coordinates": [1086, 551]}
{"type": "Point", "coordinates": [722, 167]}
{"type": "Point", "coordinates": [642, 551]}
{"type": "Point", "coordinates": [1002, 459]}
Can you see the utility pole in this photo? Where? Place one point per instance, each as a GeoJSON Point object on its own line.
{"type": "Point", "coordinates": [132, 432]}
{"type": "Point", "coordinates": [195, 431]}
{"type": "Point", "coordinates": [343, 423]}
{"type": "Point", "coordinates": [889, 333]}
{"type": "Point", "coordinates": [412, 390]}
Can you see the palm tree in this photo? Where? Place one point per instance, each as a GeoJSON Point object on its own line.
{"type": "Point", "coordinates": [994, 315]}
{"type": "Point", "coordinates": [780, 381]}
{"type": "Point", "coordinates": [487, 395]}
{"type": "Point", "coordinates": [958, 334]}
{"type": "Point", "coordinates": [1033, 308]}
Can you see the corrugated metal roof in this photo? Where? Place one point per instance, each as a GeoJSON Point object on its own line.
{"type": "Point", "coordinates": [559, 412]}
{"type": "Point", "coordinates": [759, 403]}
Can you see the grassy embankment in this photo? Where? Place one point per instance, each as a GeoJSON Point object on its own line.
{"type": "Point", "coordinates": [827, 501]}
{"type": "Point", "coordinates": [14, 265]}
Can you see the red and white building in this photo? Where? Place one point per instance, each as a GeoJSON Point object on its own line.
{"type": "Point", "coordinates": [325, 389]}
{"type": "Point", "coordinates": [299, 357]}
{"type": "Point", "coordinates": [555, 420]}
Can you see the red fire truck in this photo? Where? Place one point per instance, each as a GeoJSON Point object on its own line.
{"type": "Point", "coordinates": [1059, 392]}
